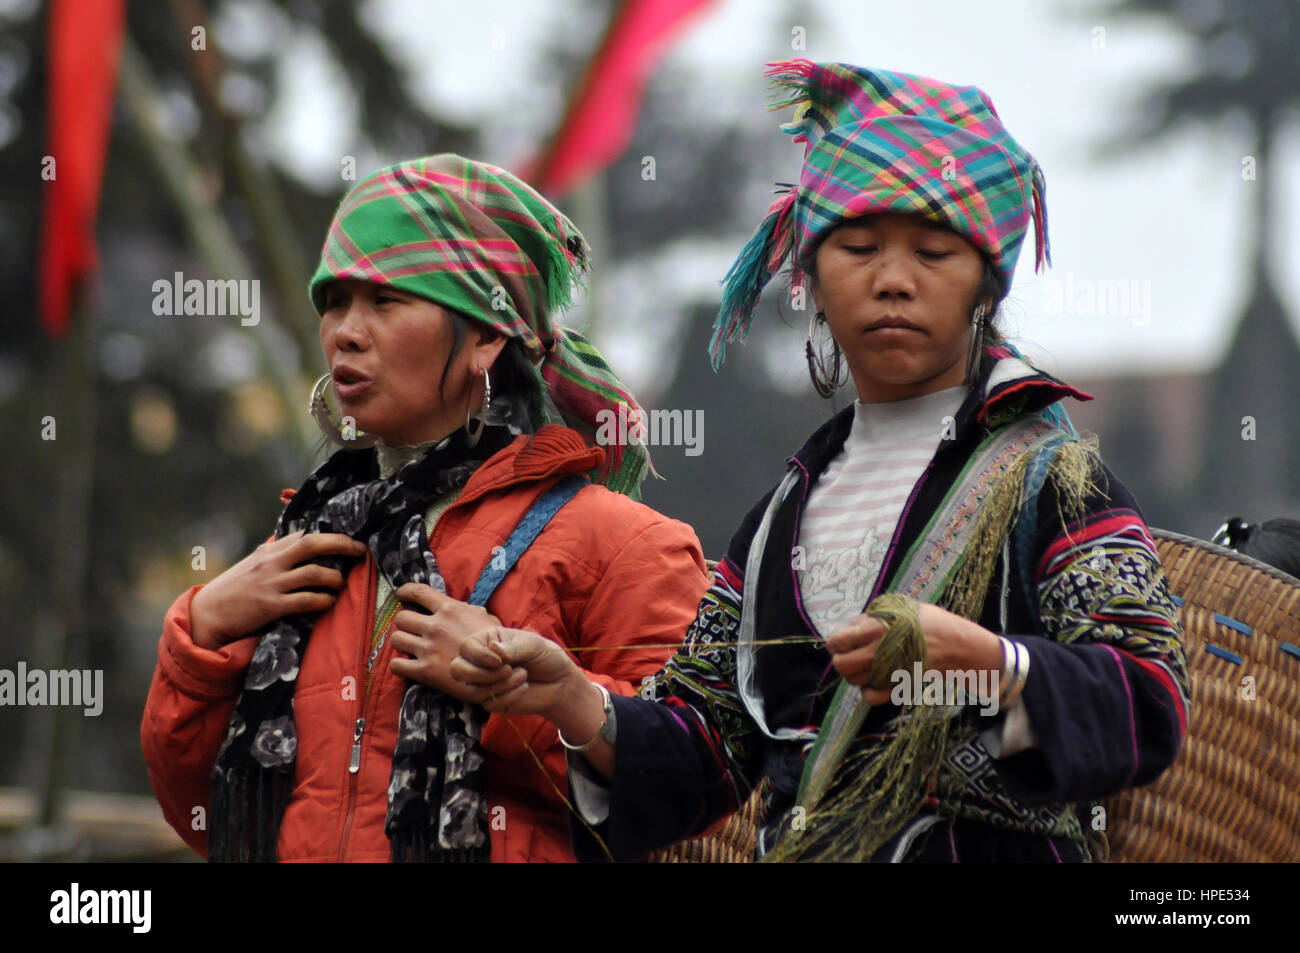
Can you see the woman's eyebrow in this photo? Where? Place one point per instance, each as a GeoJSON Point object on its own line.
{"type": "Point", "coordinates": [937, 228]}
{"type": "Point", "coordinates": [858, 226]}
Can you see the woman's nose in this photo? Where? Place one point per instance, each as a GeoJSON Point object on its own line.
{"type": "Point", "coordinates": [351, 334]}
{"type": "Point", "coordinates": [894, 275]}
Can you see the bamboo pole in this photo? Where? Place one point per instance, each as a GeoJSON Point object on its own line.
{"type": "Point", "coordinates": [591, 215]}
{"type": "Point", "coordinates": [207, 228]}
{"type": "Point", "coordinates": [277, 241]}
{"type": "Point", "coordinates": [74, 437]}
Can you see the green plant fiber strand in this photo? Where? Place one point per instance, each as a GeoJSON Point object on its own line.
{"type": "Point", "coordinates": [877, 790]}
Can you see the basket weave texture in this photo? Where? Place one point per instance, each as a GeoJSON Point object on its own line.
{"type": "Point", "coordinates": [1233, 794]}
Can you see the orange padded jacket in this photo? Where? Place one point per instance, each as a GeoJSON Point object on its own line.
{"type": "Point", "coordinates": [605, 571]}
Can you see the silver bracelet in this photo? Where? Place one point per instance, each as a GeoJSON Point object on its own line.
{"type": "Point", "coordinates": [601, 732]}
{"type": "Point", "coordinates": [1015, 669]}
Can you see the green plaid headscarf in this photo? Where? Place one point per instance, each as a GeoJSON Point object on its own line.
{"type": "Point", "coordinates": [475, 239]}
{"type": "Point", "coordinates": [880, 141]}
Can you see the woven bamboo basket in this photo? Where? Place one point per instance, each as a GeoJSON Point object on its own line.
{"type": "Point", "coordinates": [1232, 793]}
{"type": "Point", "coordinates": [733, 843]}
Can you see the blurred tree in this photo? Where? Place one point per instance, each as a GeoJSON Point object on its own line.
{"type": "Point", "coordinates": [190, 448]}
{"type": "Point", "coordinates": [1244, 75]}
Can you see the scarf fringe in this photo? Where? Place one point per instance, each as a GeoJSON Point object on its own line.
{"type": "Point", "coordinates": [767, 249]}
{"type": "Point", "coordinates": [578, 379]}
{"type": "Point", "coordinates": [231, 836]}
{"type": "Point", "coordinates": [791, 84]}
{"type": "Point", "coordinates": [567, 262]}
{"type": "Point", "coordinates": [412, 847]}
{"type": "Point", "coordinates": [1042, 243]}
{"type": "Point", "coordinates": [761, 258]}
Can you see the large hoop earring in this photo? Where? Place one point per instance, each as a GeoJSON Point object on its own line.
{"type": "Point", "coordinates": [320, 412]}
{"type": "Point", "coordinates": [473, 436]}
{"type": "Point", "coordinates": [976, 345]}
{"type": "Point", "coordinates": [825, 380]}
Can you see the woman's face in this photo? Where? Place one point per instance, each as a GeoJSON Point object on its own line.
{"type": "Point", "coordinates": [386, 350]}
{"type": "Point", "coordinates": [898, 291]}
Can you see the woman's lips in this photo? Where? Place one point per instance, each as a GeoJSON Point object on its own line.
{"type": "Point", "coordinates": [892, 331]}
{"type": "Point", "coordinates": [351, 389]}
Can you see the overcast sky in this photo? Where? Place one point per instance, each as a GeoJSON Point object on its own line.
{"type": "Point", "coordinates": [1169, 223]}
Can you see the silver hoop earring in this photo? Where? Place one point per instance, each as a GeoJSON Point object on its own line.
{"type": "Point", "coordinates": [825, 380]}
{"type": "Point", "coordinates": [473, 436]}
{"type": "Point", "coordinates": [976, 345]}
{"type": "Point", "coordinates": [320, 412]}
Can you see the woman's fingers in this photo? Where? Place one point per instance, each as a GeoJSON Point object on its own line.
{"type": "Point", "coordinates": [479, 653]}
{"type": "Point", "coordinates": [311, 575]}
{"type": "Point", "coordinates": [294, 602]}
{"type": "Point", "coordinates": [424, 595]}
{"type": "Point", "coordinates": [498, 649]}
{"type": "Point", "coordinates": [501, 703]}
{"type": "Point", "coordinates": [855, 666]}
{"type": "Point", "coordinates": [853, 648]}
{"type": "Point", "coordinates": [862, 631]}
{"type": "Point", "coordinates": [306, 546]}
{"type": "Point", "coordinates": [443, 616]}
{"type": "Point", "coordinates": [875, 696]}
{"type": "Point", "coordinates": [409, 669]}
{"type": "Point", "coordinates": [408, 643]}
{"type": "Point", "coordinates": [408, 620]}
{"type": "Point", "coordinates": [275, 580]}
{"type": "Point", "coordinates": [516, 678]}
{"type": "Point", "coordinates": [520, 648]}
{"type": "Point", "coordinates": [478, 687]}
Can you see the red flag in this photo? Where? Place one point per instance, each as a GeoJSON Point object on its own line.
{"type": "Point", "coordinates": [602, 113]}
{"type": "Point", "coordinates": [85, 42]}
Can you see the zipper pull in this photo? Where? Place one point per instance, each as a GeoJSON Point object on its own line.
{"type": "Point", "coordinates": [354, 764]}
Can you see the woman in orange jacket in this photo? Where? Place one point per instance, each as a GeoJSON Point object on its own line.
{"type": "Point", "coordinates": [298, 712]}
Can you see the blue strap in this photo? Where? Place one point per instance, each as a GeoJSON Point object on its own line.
{"type": "Point", "coordinates": [532, 524]}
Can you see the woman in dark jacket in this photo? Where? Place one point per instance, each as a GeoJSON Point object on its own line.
{"type": "Point", "coordinates": [955, 479]}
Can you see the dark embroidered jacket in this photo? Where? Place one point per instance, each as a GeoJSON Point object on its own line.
{"type": "Point", "coordinates": [1107, 694]}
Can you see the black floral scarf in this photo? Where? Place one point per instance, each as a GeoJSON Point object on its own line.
{"type": "Point", "coordinates": [436, 806]}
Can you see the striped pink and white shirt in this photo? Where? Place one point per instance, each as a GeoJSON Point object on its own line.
{"type": "Point", "coordinates": [854, 507]}
{"type": "Point", "coordinates": [853, 510]}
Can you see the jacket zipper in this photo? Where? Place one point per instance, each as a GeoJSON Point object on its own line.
{"type": "Point", "coordinates": [354, 762]}
{"type": "Point", "coordinates": [368, 673]}
{"type": "Point", "coordinates": [359, 725]}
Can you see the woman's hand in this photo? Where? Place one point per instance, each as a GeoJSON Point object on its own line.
{"type": "Point", "coordinates": [952, 643]}
{"type": "Point", "coordinates": [432, 639]}
{"type": "Point", "coordinates": [271, 582]}
{"type": "Point", "coordinates": [523, 673]}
